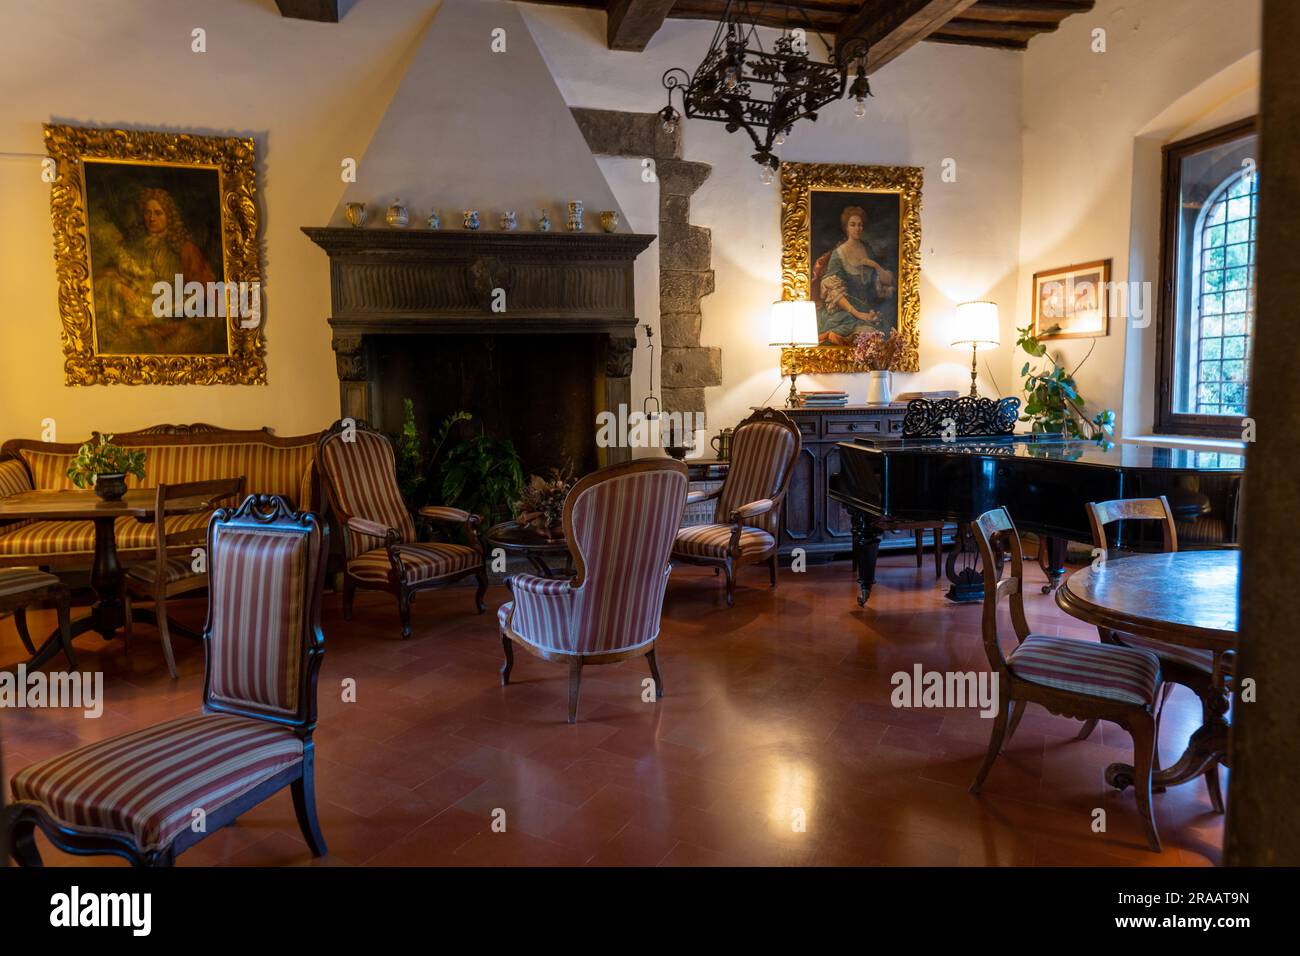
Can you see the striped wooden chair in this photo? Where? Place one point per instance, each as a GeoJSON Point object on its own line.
{"type": "Point", "coordinates": [1190, 666]}
{"type": "Point", "coordinates": [619, 523]}
{"type": "Point", "coordinates": [746, 527]}
{"type": "Point", "coordinates": [379, 544]}
{"type": "Point", "coordinates": [1065, 675]}
{"type": "Point", "coordinates": [22, 587]}
{"type": "Point", "coordinates": [149, 795]}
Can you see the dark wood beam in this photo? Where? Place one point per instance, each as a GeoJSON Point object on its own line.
{"type": "Point", "coordinates": [323, 11]}
{"type": "Point", "coordinates": [891, 27]}
{"type": "Point", "coordinates": [631, 23]}
{"type": "Point", "coordinates": [824, 18]}
{"type": "Point", "coordinates": [1037, 11]}
{"type": "Point", "coordinates": [997, 43]}
{"type": "Point", "coordinates": [1005, 30]}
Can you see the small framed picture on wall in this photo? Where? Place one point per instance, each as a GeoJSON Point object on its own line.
{"type": "Point", "coordinates": [1072, 302]}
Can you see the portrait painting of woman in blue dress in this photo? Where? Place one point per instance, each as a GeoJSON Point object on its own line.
{"type": "Point", "coordinates": [854, 251]}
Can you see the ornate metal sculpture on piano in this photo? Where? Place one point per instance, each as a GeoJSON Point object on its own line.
{"type": "Point", "coordinates": [959, 458]}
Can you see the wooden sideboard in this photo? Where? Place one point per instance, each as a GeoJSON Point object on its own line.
{"type": "Point", "coordinates": [812, 520]}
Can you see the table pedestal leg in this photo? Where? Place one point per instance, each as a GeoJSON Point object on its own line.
{"type": "Point", "coordinates": [1207, 746]}
{"type": "Point", "coordinates": [108, 613]}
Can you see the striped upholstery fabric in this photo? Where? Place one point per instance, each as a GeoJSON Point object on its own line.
{"type": "Point", "coordinates": [257, 587]}
{"type": "Point", "coordinates": [363, 474]}
{"type": "Point", "coordinates": [712, 540]}
{"type": "Point", "coordinates": [1202, 660]}
{"type": "Point", "coordinates": [146, 784]}
{"type": "Point", "coordinates": [762, 453]}
{"type": "Point", "coordinates": [623, 529]}
{"type": "Point", "coordinates": [268, 469]}
{"type": "Point", "coordinates": [422, 561]}
{"type": "Point", "coordinates": [174, 569]}
{"type": "Point", "coordinates": [76, 537]}
{"type": "Point", "coordinates": [21, 580]}
{"type": "Point", "coordinates": [1098, 670]}
{"type": "Point", "coordinates": [13, 478]}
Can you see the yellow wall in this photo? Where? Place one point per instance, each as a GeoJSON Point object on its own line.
{"type": "Point", "coordinates": [310, 94]}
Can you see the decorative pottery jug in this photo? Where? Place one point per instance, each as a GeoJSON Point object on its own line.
{"type": "Point", "coordinates": [435, 221]}
{"type": "Point", "coordinates": [356, 212]}
{"type": "Point", "coordinates": [721, 444]}
{"type": "Point", "coordinates": [575, 216]}
{"type": "Point", "coordinates": [397, 216]}
{"type": "Point", "coordinates": [609, 220]}
{"type": "Point", "coordinates": [879, 388]}
{"type": "Point", "coordinates": [544, 221]}
{"type": "Point", "coordinates": [471, 219]}
{"type": "Point", "coordinates": [509, 221]}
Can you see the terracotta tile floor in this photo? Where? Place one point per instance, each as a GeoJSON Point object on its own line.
{"type": "Point", "coordinates": [780, 704]}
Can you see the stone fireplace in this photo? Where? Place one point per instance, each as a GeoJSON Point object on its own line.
{"type": "Point", "coordinates": [532, 333]}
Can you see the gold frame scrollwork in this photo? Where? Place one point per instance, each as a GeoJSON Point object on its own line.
{"type": "Point", "coordinates": [233, 158]}
{"type": "Point", "coordinates": [798, 182]}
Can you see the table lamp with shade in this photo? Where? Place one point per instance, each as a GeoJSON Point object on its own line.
{"type": "Point", "coordinates": [976, 327]}
{"type": "Point", "coordinates": [794, 325]}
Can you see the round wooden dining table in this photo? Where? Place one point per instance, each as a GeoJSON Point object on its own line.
{"type": "Point", "coordinates": [1185, 597]}
{"type": "Point", "coordinates": [108, 613]}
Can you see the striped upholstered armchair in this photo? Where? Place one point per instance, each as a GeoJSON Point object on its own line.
{"type": "Point", "coordinates": [149, 795]}
{"type": "Point", "coordinates": [360, 476]}
{"type": "Point", "coordinates": [619, 523]}
{"type": "Point", "coordinates": [746, 526]}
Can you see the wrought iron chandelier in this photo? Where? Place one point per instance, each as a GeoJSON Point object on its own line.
{"type": "Point", "coordinates": [763, 92]}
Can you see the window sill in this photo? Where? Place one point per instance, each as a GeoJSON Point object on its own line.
{"type": "Point", "coordinates": [1188, 441]}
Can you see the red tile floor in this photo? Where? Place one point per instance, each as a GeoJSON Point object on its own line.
{"type": "Point", "coordinates": [780, 704]}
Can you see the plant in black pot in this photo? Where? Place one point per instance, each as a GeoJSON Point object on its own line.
{"type": "Point", "coordinates": [104, 466]}
{"type": "Point", "coordinates": [480, 474]}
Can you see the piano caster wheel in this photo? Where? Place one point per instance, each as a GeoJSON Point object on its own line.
{"type": "Point", "coordinates": [1047, 588]}
{"type": "Point", "coordinates": [862, 596]}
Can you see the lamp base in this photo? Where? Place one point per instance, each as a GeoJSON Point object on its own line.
{"type": "Point", "coordinates": [974, 352]}
{"type": "Point", "coordinates": [792, 400]}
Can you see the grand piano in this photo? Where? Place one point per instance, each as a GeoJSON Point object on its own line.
{"type": "Point", "coordinates": [1043, 481]}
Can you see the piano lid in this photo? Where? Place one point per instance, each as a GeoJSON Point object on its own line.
{"type": "Point", "coordinates": [1102, 453]}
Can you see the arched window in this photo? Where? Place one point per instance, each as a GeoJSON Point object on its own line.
{"type": "Point", "coordinates": [1208, 294]}
{"type": "Point", "coordinates": [1225, 295]}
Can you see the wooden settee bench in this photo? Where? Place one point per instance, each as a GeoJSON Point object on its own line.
{"type": "Point", "coordinates": [174, 453]}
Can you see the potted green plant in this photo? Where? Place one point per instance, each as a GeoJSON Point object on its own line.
{"type": "Point", "coordinates": [105, 466]}
{"type": "Point", "coordinates": [1053, 403]}
{"type": "Point", "coordinates": [480, 474]}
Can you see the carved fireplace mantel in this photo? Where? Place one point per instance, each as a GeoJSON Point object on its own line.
{"type": "Point", "coordinates": [432, 282]}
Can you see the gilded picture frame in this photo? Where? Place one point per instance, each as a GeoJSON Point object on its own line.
{"type": "Point", "coordinates": [816, 199]}
{"type": "Point", "coordinates": [128, 206]}
{"type": "Point", "coordinates": [1074, 300]}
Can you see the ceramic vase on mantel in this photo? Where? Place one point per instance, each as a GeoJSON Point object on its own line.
{"type": "Point", "coordinates": [879, 388]}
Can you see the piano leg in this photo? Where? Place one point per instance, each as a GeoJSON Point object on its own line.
{"type": "Point", "coordinates": [1051, 558]}
{"type": "Point", "coordinates": [866, 544]}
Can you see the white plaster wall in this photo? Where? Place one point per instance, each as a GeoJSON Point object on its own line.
{"type": "Point", "coordinates": [1093, 127]}
{"type": "Point", "coordinates": [934, 103]}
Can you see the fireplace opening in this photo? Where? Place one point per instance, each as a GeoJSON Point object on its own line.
{"type": "Point", "coordinates": [539, 391]}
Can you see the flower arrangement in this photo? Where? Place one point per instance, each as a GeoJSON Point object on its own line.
{"type": "Point", "coordinates": [878, 351]}
{"type": "Point", "coordinates": [94, 461]}
{"type": "Point", "coordinates": [541, 504]}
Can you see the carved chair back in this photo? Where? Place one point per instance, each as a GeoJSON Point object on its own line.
{"type": "Point", "coordinates": [263, 638]}
{"type": "Point", "coordinates": [1103, 513]}
{"type": "Point", "coordinates": [360, 472]}
{"type": "Point", "coordinates": [997, 538]}
{"type": "Point", "coordinates": [213, 492]}
{"type": "Point", "coordinates": [764, 449]}
{"type": "Point", "coordinates": [621, 522]}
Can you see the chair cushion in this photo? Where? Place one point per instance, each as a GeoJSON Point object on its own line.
{"type": "Point", "coordinates": [21, 580]}
{"type": "Point", "coordinates": [712, 541]}
{"type": "Point", "coordinates": [1202, 660]}
{"type": "Point", "coordinates": [1106, 671]}
{"type": "Point", "coordinates": [76, 537]}
{"type": "Point", "coordinates": [174, 569]}
{"type": "Point", "coordinates": [145, 784]}
{"type": "Point", "coordinates": [423, 562]}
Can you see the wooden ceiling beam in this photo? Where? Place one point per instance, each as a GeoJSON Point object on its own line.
{"type": "Point", "coordinates": [322, 11]}
{"type": "Point", "coordinates": [1037, 11]}
{"type": "Point", "coordinates": [1002, 30]}
{"type": "Point", "coordinates": [631, 23]}
{"type": "Point", "coordinates": [892, 27]}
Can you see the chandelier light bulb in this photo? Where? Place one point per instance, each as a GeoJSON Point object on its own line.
{"type": "Point", "coordinates": [861, 109]}
{"type": "Point", "coordinates": [766, 176]}
{"type": "Point", "coordinates": [780, 138]}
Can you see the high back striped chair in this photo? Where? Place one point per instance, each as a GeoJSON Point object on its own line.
{"type": "Point", "coordinates": [1077, 678]}
{"type": "Point", "coordinates": [746, 526]}
{"type": "Point", "coordinates": [619, 523]}
{"type": "Point", "coordinates": [360, 476]}
{"type": "Point", "coordinates": [149, 795]}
